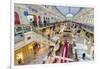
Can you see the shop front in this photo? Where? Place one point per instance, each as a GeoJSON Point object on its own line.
{"type": "Point", "coordinates": [30, 52]}
{"type": "Point", "coordinates": [24, 55]}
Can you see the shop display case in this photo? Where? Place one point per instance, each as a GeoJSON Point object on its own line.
{"type": "Point", "coordinates": [18, 33]}
{"type": "Point", "coordinates": [26, 28]}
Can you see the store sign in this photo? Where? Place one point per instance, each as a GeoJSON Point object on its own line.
{"type": "Point", "coordinates": [26, 13]}
{"type": "Point", "coordinates": [33, 10]}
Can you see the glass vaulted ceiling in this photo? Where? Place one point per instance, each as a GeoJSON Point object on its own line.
{"type": "Point", "coordinates": [68, 11]}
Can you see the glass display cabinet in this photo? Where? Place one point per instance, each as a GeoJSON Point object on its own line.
{"type": "Point", "coordinates": [18, 33]}
{"type": "Point", "coordinates": [26, 28]}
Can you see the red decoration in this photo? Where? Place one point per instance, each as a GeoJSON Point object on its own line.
{"type": "Point", "coordinates": [17, 19]}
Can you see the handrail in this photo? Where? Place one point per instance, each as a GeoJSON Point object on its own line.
{"type": "Point", "coordinates": [59, 57]}
{"type": "Point", "coordinates": [39, 32]}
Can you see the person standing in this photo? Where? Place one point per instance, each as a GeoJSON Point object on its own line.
{"type": "Point", "coordinates": [70, 51]}
{"type": "Point", "coordinates": [19, 61]}
{"type": "Point", "coordinates": [60, 45]}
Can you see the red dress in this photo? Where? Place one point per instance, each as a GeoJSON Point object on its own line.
{"type": "Point", "coordinates": [65, 52]}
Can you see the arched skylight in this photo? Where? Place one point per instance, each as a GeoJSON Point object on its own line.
{"type": "Point", "coordinates": [69, 11]}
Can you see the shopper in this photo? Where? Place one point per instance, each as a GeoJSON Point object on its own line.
{"type": "Point", "coordinates": [36, 48]}
{"type": "Point", "coordinates": [44, 22]}
{"type": "Point", "coordinates": [57, 41]}
{"type": "Point", "coordinates": [76, 56]}
{"type": "Point", "coordinates": [70, 51]}
{"type": "Point", "coordinates": [83, 56]}
{"type": "Point", "coordinates": [19, 61]}
{"type": "Point", "coordinates": [51, 56]}
{"type": "Point", "coordinates": [60, 45]}
{"type": "Point", "coordinates": [35, 23]}
{"type": "Point", "coordinates": [74, 44]}
{"type": "Point", "coordinates": [54, 27]}
{"type": "Point", "coordinates": [48, 35]}
{"type": "Point", "coordinates": [50, 50]}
